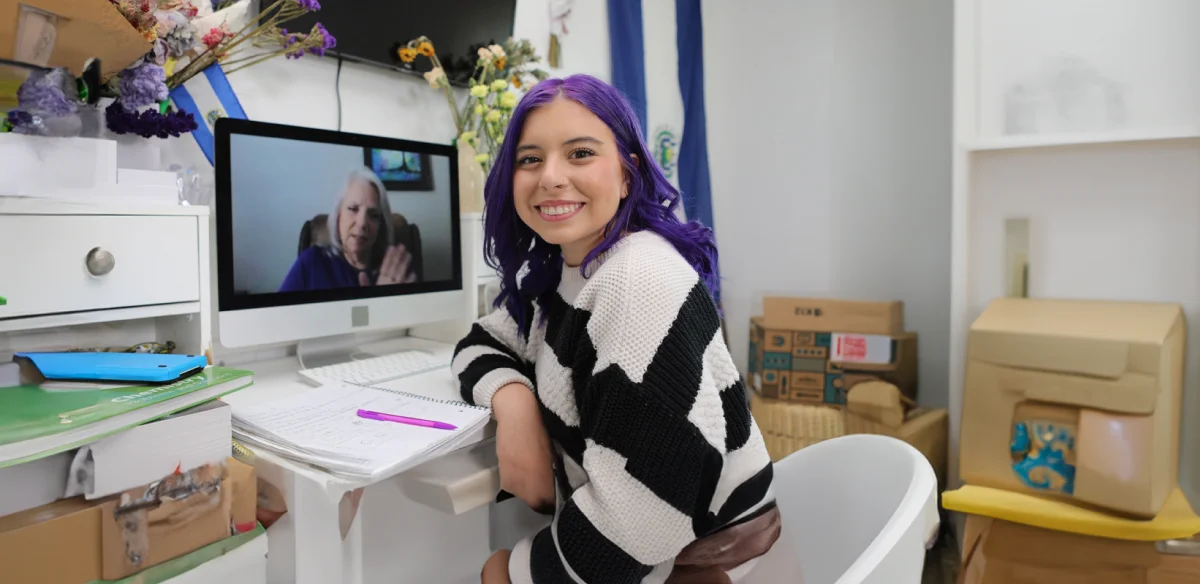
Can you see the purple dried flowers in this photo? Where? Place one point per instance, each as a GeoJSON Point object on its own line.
{"type": "Point", "coordinates": [17, 119]}
{"type": "Point", "coordinates": [309, 5]}
{"type": "Point", "coordinates": [142, 85]}
{"type": "Point", "coordinates": [316, 42]}
{"type": "Point", "coordinates": [51, 93]}
{"type": "Point", "coordinates": [148, 123]}
{"type": "Point", "coordinates": [327, 40]}
{"type": "Point", "coordinates": [287, 39]}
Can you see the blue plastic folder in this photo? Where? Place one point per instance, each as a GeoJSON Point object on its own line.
{"type": "Point", "coordinates": [135, 367]}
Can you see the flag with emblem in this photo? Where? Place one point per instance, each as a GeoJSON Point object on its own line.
{"type": "Point", "coordinates": [208, 97]}
{"type": "Point", "coordinates": [666, 38]}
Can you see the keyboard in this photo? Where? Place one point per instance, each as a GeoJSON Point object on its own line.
{"type": "Point", "coordinates": [376, 369]}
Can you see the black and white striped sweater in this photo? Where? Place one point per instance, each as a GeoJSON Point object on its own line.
{"type": "Point", "coordinates": [646, 410]}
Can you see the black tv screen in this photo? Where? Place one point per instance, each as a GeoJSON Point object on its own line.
{"type": "Point", "coordinates": [370, 31]}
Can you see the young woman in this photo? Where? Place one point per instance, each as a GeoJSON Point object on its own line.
{"type": "Point", "coordinates": [605, 365]}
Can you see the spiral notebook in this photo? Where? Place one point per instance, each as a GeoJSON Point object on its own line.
{"type": "Point", "coordinates": [321, 428]}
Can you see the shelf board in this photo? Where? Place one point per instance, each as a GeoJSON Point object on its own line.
{"type": "Point", "coordinates": [41, 206]}
{"type": "Point", "coordinates": [1060, 140]}
{"type": "Point", "coordinates": [24, 323]}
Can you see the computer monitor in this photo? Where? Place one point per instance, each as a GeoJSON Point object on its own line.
{"type": "Point", "coordinates": [324, 233]}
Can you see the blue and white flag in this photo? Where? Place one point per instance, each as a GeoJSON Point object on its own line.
{"type": "Point", "coordinates": [208, 97]}
{"type": "Point", "coordinates": [664, 101]}
{"type": "Point", "coordinates": [666, 38]}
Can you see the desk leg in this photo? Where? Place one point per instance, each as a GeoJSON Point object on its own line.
{"type": "Point", "coordinates": [321, 555]}
{"type": "Point", "coordinates": [352, 552]}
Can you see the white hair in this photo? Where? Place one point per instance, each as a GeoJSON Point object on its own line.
{"type": "Point", "coordinates": [368, 176]}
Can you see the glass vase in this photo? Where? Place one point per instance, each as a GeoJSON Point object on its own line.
{"type": "Point", "coordinates": [470, 180]}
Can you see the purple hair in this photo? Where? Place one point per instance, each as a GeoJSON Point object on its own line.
{"type": "Point", "coordinates": [650, 206]}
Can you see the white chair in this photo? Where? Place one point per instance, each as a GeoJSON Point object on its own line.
{"type": "Point", "coordinates": [858, 509]}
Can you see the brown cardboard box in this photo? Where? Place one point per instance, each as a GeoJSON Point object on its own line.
{"type": "Point", "coordinates": [1001, 552]}
{"type": "Point", "coordinates": [876, 407]}
{"type": "Point", "coordinates": [135, 541]}
{"type": "Point", "coordinates": [797, 366]}
{"type": "Point", "coordinates": [823, 314]}
{"type": "Point", "coordinates": [1080, 371]}
{"type": "Point", "coordinates": [80, 29]}
{"type": "Point", "coordinates": [245, 495]}
{"type": "Point", "coordinates": [57, 543]}
{"type": "Point", "coordinates": [787, 427]}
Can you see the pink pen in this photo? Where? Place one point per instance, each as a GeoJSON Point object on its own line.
{"type": "Point", "coordinates": [404, 420]}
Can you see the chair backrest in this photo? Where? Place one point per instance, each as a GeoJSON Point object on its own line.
{"type": "Point", "coordinates": [857, 509]}
{"type": "Point", "coordinates": [315, 231]}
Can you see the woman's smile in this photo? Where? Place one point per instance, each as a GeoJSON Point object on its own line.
{"type": "Point", "coordinates": [558, 210]}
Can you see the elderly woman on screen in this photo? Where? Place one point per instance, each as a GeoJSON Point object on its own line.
{"type": "Point", "coordinates": [360, 250]}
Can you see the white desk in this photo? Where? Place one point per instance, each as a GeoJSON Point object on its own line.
{"type": "Point", "coordinates": [392, 538]}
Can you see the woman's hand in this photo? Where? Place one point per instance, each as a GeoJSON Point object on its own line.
{"type": "Point", "coordinates": [396, 267]}
{"type": "Point", "coordinates": [523, 447]}
{"type": "Point", "coordinates": [495, 570]}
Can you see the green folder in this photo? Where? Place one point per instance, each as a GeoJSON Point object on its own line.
{"type": "Point", "coordinates": [35, 423]}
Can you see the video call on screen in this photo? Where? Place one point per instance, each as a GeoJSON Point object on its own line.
{"type": "Point", "coordinates": [310, 216]}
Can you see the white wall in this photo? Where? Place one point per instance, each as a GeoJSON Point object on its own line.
{"type": "Point", "coordinates": [831, 167]}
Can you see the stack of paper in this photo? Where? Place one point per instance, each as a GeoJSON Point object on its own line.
{"type": "Point", "coordinates": [322, 428]}
{"type": "Point", "coordinates": [194, 437]}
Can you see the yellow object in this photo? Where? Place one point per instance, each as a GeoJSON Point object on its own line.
{"type": "Point", "coordinates": [1176, 520]}
{"type": "Point", "coordinates": [169, 66]}
{"type": "Point", "coordinates": [243, 454]}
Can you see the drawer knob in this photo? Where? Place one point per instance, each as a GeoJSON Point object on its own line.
{"type": "Point", "coordinates": [100, 261]}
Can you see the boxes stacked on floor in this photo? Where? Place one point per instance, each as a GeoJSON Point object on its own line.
{"type": "Point", "coordinates": [823, 368]}
{"type": "Point", "coordinates": [1071, 409]}
{"type": "Point", "coordinates": [813, 351]}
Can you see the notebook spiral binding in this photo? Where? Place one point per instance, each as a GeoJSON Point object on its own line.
{"type": "Point", "coordinates": [456, 403]}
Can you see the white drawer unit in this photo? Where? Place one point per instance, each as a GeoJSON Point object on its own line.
{"type": "Point", "coordinates": [65, 264]}
{"type": "Point", "coordinates": [52, 264]}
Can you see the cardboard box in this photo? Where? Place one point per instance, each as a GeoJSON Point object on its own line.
{"type": "Point", "coordinates": [1001, 552]}
{"type": "Point", "coordinates": [787, 427]}
{"type": "Point", "coordinates": [810, 367]}
{"type": "Point", "coordinates": [58, 543]}
{"type": "Point", "coordinates": [929, 432]}
{"type": "Point", "coordinates": [1076, 399]}
{"type": "Point", "coordinates": [66, 33]}
{"type": "Point", "coordinates": [877, 407]}
{"type": "Point", "coordinates": [244, 508]}
{"type": "Point", "coordinates": [136, 540]}
{"type": "Point", "coordinates": [823, 314]}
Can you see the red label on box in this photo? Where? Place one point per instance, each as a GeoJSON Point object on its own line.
{"type": "Point", "coordinates": [851, 348]}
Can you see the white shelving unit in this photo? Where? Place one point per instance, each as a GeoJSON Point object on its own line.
{"type": "Point", "coordinates": [1083, 117]}
{"type": "Point", "coordinates": [1072, 140]}
{"type": "Point", "coordinates": [157, 288]}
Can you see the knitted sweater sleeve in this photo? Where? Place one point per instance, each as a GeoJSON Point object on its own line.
{"type": "Point", "coordinates": [661, 405]}
{"type": "Point", "coordinates": [491, 356]}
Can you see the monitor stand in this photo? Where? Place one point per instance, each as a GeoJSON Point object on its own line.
{"type": "Point", "coordinates": [324, 351]}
